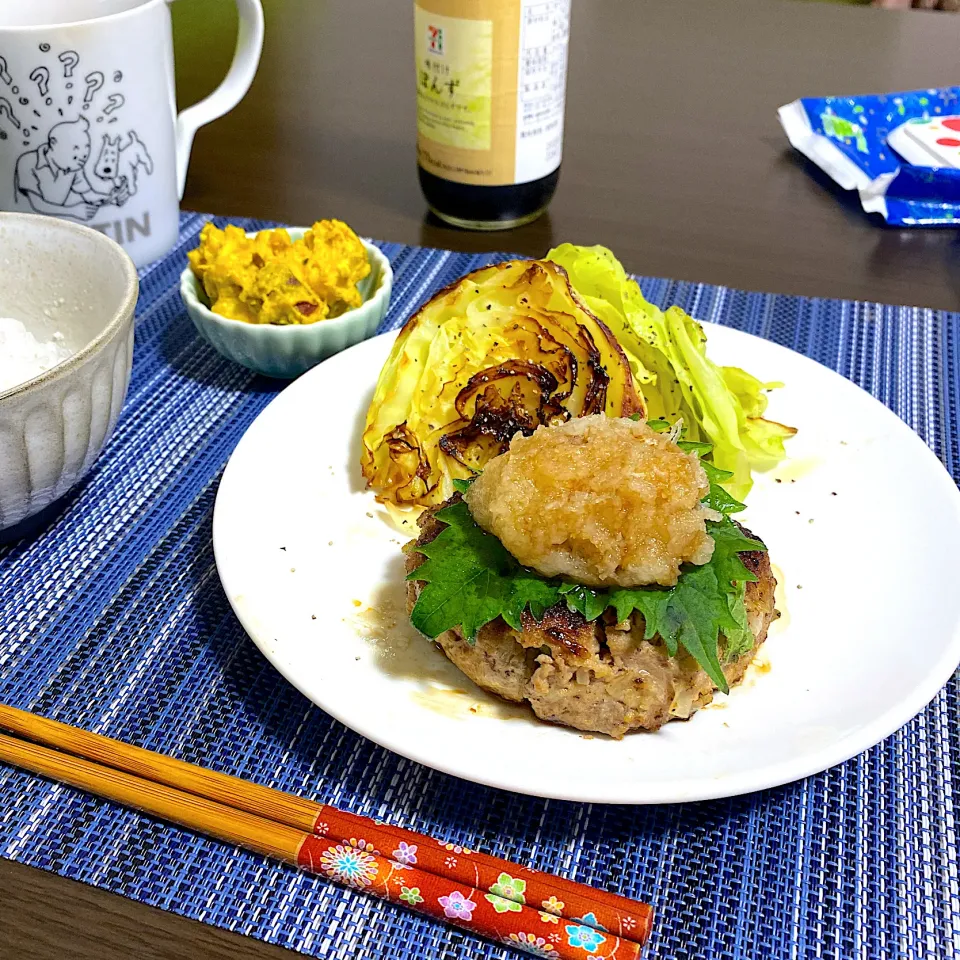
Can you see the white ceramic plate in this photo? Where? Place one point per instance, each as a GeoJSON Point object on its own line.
{"type": "Point", "coordinates": [863, 529]}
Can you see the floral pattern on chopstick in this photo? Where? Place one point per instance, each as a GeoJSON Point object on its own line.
{"type": "Point", "coordinates": [506, 902]}
{"type": "Point", "coordinates": [349, 865]}
{"type": "Point", "coordinates": [456, 906]}
{"type": "Point", "coordinates": [531, 943]}
{"type": "Point", "coordinates": [405, 854]}
{"type": "Point", "coordinates": [584, 934]}
{"type": "Point", "coordinates": [496, 912]}
{"type": "Point", "coordinates": [496, 881]}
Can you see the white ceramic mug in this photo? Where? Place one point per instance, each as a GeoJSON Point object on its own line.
{"type": "Point", "coordinates": [88, 122]}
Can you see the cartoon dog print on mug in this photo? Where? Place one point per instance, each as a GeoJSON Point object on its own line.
{"type": "Point", "coordinates": [119, 164]}
{"type": "Point", "coordinates": [71, 167]}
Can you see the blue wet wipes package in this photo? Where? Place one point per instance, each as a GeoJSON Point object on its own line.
{"type": "Point", "coordinates": [899, 151]}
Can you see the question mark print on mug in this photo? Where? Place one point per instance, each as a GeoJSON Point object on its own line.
{"type": "Point", "coordinates": [114, 102]}
{"type": "Point", "coordinates": [41, 77]}
{"type": "Point", "coordinates": [94, 82]}
{"type": "Point", "coordinates": [7, 111]}
{"type": "Point", "coordinates": [67, 169]}
{"type": "Point", "coordinates": [69, 59]}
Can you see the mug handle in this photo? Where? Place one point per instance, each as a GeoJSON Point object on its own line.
{"type": "Point", "coordinates": [231, 91]}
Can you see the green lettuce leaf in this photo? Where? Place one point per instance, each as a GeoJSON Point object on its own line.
{"type": "Point", "coordinates": [762, 439]}
{"type": "Point", "coordinates": [667, 354]}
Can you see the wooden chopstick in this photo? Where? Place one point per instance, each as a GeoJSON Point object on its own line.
{"type": "Point", "coordinates": [235, 792]}
{"type": "Point", "coordinates": [360, 868]}
{"type": "Point", "coordinates": [287, 828]}
{"type": "Point", "coordinates": [242, 829]}
{"type": "Point", "coordinates": [548, 894]}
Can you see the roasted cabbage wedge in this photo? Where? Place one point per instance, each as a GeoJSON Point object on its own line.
{"type": "Point", "coordinates": [667, 351]}
{"type": "Point", "coordinates": [504, 349]}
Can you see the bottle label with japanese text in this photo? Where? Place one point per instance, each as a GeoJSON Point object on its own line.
{"type": "Point", "coordinates": [491, 79]}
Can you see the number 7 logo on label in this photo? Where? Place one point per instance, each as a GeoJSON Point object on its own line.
{"type": "Point", "coordinates": [435, 40]}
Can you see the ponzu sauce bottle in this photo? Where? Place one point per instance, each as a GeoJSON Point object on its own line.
{"type": "Point", "coordinates": [491, 82]}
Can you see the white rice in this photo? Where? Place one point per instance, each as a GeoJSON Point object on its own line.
{"type": "Point", "coordinates": [23, 356]}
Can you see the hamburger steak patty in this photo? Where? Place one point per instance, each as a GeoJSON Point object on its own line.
{"type": "Point", "coordinates": [597, 676]}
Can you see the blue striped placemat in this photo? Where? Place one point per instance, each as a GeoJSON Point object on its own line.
{"type": "Point", "coordinates": [113, 619]}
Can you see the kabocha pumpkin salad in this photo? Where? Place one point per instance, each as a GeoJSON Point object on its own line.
{"type": "Point", "coordinates": [575, 462]}
{"type": "Point", "coordinates": [271, 278]}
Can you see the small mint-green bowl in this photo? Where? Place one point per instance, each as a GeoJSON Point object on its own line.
{"type": "Point", "coordinates": [289, 350]}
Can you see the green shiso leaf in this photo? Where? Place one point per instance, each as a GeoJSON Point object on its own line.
{"type": "Point", "coordinates": [470, 579]}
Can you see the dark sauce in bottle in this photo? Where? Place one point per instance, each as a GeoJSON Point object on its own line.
{"type": "Point", "coordinates": [487, 208]}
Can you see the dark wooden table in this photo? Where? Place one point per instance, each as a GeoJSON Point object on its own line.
{"type": "Point", "coordinates": [673, 158]}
